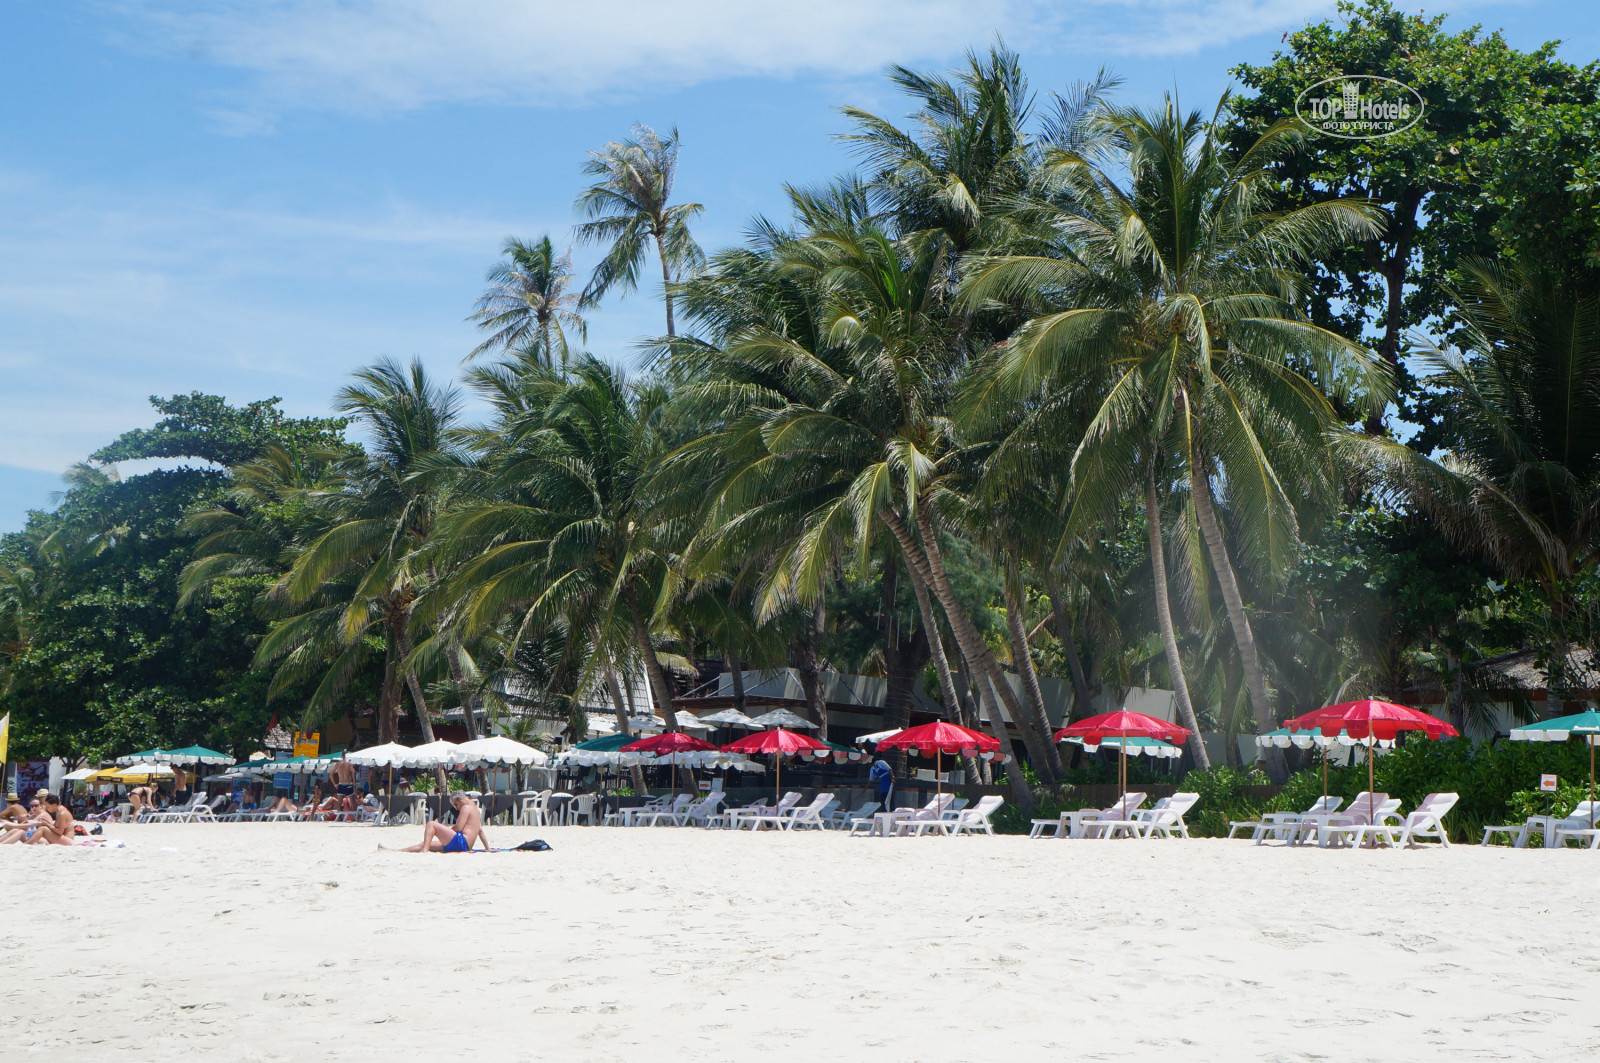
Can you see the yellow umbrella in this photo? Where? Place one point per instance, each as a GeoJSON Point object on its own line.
{"type": "Point", "coordinates": [142, 773]}
{"type": "Point", "coordinates": [103, 775]}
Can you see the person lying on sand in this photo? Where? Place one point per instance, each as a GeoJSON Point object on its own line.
{"type": "Point", "coordinates": [440, 838]}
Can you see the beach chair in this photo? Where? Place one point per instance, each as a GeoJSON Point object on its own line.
{"type": "Point", "coordinates": [1275, 825]}
{"type": "Point", "coordinates": [176, 814]}
{"type": "Point", "coordinates": [659, 814]}
{"type": "Point", "coordinates": [842, 819]}
{"type": "Point", "coordinates": [581, 809]}
{"type": "Point", "coordinates": [809, 817]}
{"type": "Point", "coordinates": [925, 818]}
{"type": "Point", "coordinates": [701, 810]}
{"type": "Point", "coordinates": [1165, 818]}
{"type": "Point", "coordinates": [1584, 816]}
{"type": "Point", "coordinates": [751, 817]}
{"type": "Point", "coordinates": [1580, 834]}
{"type": "Point", "coordinates": [1426, 822]}
{"type": "Point", "coordinates": [724, 820]}
{"type": "Point", "coordinates": [207, 812]}
{"type": "Point", "coordinates": [971, 820]}
{"type": "Point", "coordinates": [1071, 824]}
{"type": "Point", "coordinates": [1368, 809]}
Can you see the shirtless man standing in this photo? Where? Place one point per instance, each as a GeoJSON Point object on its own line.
{"type": "Point", "coordinates": [440, 838]}
{"type": "Point", "coordinates": [59, 831]}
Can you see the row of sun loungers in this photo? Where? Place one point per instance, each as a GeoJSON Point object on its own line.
{"type": "Point", "coordinates": [944, 814]}
{"type": "Point", "coordinates": [1372, 819]}
{"type": "Point", "coordinates": [1579, 825]}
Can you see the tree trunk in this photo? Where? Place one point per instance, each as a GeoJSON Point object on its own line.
{"type": "Point", "coordinates": [808, 650]}
{"type": "Point", "coordinates": [389, 693]}
{"type": "Point", "coordinates": [971, 646]}
{"type": "Point", "coordinates": [424, 722]}
{"type": "Point", "coordinates": [1169, 637]}
{"type": "Point", "coordinates": [1083, 701]}
{"type": "Point", "coordinates": [1206, 516]}
{"type": "Point", "coordinates": [1022, 657]}
{"type": "Point", "coordinates": [976, 650]}
{"type": "Point", "coordinates": [941, 664]}
{"type": "Point", "coordinates": [469, 703]}
{"type": "Point", "coordinates": [666, 281]}
{"type": "Point", "coordinates": [736, 675]}
{"type": "Point", "coordinates": [655, 674]}
{"type": "Point", "coordinates": [622, 723]}
{"type": "Point", "coordinates": [970, 713]}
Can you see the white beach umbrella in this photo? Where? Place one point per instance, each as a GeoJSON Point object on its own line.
{"type": "Point", "coordinates": [877, 736]}
{"type": "Point", "coordinates": [688, 721]}
{"type": "Point", "coordinates": [79, 775]}
{"type": "Point", "coordinates": [639, 724]}
{"type": "Point", "coordinates": [145, 770]}
{"type": "Point", "coordinates": [432, 755]}
{"type": "Point", "coordinates": [498, 749]}
{"type": "Point", "coordinates": [729, 718]}
{"type": "Point", "coordinates": [782, 718]}
{"type": "Point", "coordinates": [388, 755]}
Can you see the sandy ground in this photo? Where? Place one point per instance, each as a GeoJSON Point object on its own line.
{"type": "Point", "coordinates": [304, 942]}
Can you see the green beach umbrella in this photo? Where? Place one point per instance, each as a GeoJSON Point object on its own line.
{"type": "Point", "coordinates": [155, 756]}
{"type": "Point", "coordinates": [197, 755]}
{"type": "Point", "coordinates": [1561, 729]}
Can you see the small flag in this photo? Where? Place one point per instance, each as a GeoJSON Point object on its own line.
{"type": "Point", "coordinates": [5, 739]}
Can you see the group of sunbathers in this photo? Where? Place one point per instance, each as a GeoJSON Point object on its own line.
{"type": "Point", "coordinates": [45, 821]}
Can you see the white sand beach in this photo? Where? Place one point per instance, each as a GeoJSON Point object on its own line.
{"type": "Point", "coordinates": [296, 942]}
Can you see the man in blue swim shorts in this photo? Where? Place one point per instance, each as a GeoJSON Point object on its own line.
{"type": "Point", "coordinates": [442, 838]}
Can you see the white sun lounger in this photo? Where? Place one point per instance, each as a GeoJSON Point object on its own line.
{"type": "Point", "coordinates": [739, 818]}
{"type": "Point", "coordinates": [1584, 816]}
{"type": "Point", "coordinates": [1071, 824]}
{"type": "Point", "coordinates": [1166, 818]}
{"type": "Point", "coordinates": [842, 820]}
{"type": "Point", "coordinates": [1426, 822]}
{"type": "Point", "coordinates": [1275, 825]}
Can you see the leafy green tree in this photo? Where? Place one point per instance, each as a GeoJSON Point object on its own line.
{"type": "Point", "coordinates": [1430, 179]}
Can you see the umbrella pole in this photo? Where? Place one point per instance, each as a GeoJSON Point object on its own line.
{"type": "Point", "coordinates": [938, 774]}
{"type": "Point", "coordinates": [777, 776]}
{"type": "Point", "coordinates": [1591, 782]}
{"type": "Point", "coordinates": [1324, 774]}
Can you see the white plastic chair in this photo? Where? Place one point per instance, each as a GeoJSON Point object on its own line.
{"type": "Point", "coordinates": [581, 808]}
{"type": "Point", "coordinates": [925, 818]}
{"type": "Point", "coordinates": [1368, 809]}
{"type": "Point", "coordinates": [739, 818]}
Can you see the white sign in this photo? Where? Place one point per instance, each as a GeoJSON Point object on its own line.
{"type": "Point", "coordinates": [1547, 783]}
{"type": "Point", "coordinates": [1359, 107]}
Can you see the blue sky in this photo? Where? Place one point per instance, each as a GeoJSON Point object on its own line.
{"type": "Point", "coordinates": [254, 197]}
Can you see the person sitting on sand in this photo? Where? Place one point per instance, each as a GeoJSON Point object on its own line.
{"type": "Point", "coordinates": [13, 812]}
{"type": "Point", "coordinates": [468, 831]}
{"type": "Point", "coordinates": [41, 815]}
{"type": "Point", "coordinates": [59, 830]}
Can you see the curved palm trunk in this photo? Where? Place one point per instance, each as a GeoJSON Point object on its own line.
{"type": "Point", "coordinates": [941, 665]}
{"type": "Point", "coordinates": [970, 644]}
{"type": "Point", "coordinates": [418, 702]}
{"type": "Point", "coordinates": [463, 684]}
{"type": "Point", "coordinates": [622, 723]}
{"type": "Point", "coordinates": [1022, 657]}
{"type": "Point", "coordinates": [660, 686]}
{"type": "Point", "coordinates": [1255, 677]}
{"type": "Point", "coordinates": [389, 694]}
{"type": "Point", "coordinates": [1169, 637]}
{"type": "Point", "coordinates": [977, 651]}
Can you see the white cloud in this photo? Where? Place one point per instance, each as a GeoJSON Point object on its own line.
{"type": "Point", "coordinates": [378, 55]}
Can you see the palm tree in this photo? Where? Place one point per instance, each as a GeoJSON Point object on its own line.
{"type": "Point", "coordinates": [566, 534]}
{"type": "Point", "coordinates": [527, 302]}
{"type": "Point", "coordinates": [361, 577]}
{"type": "Point", "coordinates": [1521, 481]}
{"type": "Point", "coordinates": [631, 208]}
{"type": "Point", "coordinates": [1172, 288]}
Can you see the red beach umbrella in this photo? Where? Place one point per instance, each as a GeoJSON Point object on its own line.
{"type": "Point", "coordinates": [668, 744]}
{"type": "Point", "coordinates": [1374, 720]}
{"type": "Point", "coordinates": [1123, 724]}
{"type": "Point", "coordinates": [779, 743]}
{"type": "Point", "coordinates": [942, 738]}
